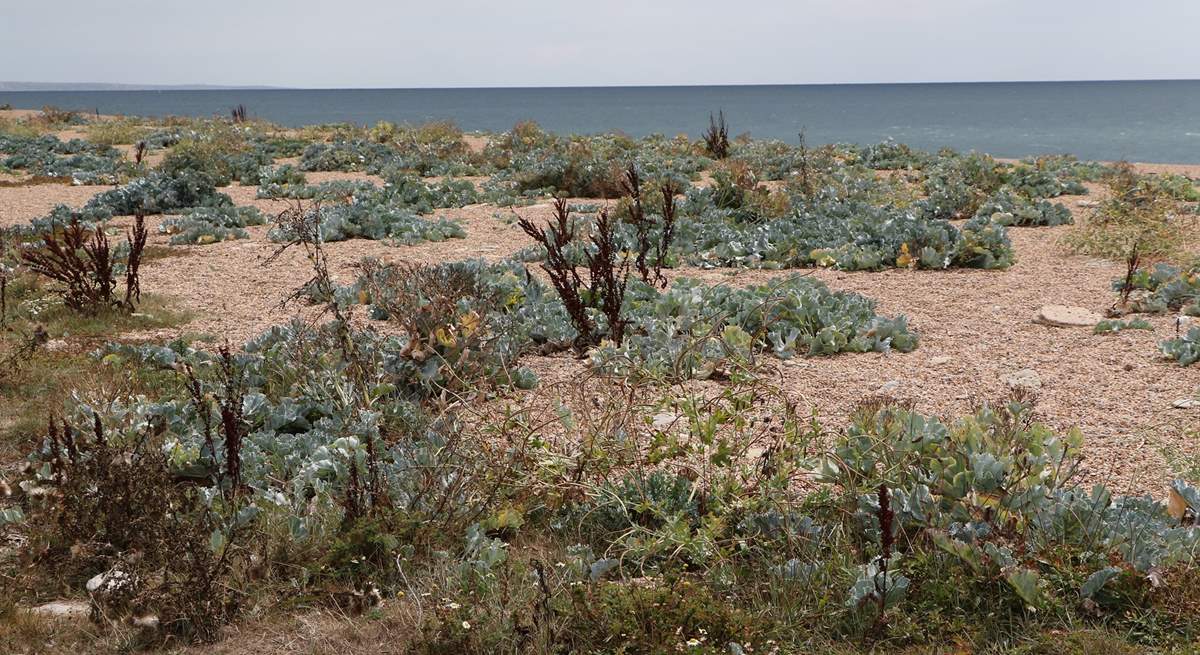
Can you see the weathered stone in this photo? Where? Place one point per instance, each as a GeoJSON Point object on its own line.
{"type": "Point", "coordinates": [95, 581]}
{"type": "Point", "coordinates": [1025, 379]}
{"type": "Point", "coordinates": [664, 421]}
{"type": "Point", "coordinates": [940, 360]}
{"type": "Point", "coordinates": [56, 345]}
{"type": "Point", "coordinates": [1063, 316]}
{"type": "Point", "coordinates": [889, 387]}
{"type": "Point", "coordinates": [113, 580]}
{"type": "Point", "coordinates": [1186, 403]}
{"type": "Point", "coordinates": [64, 609]}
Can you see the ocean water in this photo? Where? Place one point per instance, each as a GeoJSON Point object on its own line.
{"type": "Point", "coordinates": [1154, 121]}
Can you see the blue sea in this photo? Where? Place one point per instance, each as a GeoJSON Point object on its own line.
{"type": "Point", "coordinates": [1154, 121]}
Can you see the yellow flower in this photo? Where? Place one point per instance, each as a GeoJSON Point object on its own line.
{"type": "Point", "coordinates": [469, 323]}
{"type": "Point", "coordinates": [445, 338]}
{"type": "Point", "coordinates": [822, 258]}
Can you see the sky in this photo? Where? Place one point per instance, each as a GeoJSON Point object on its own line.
{"type": "Point", "coordinates": [455, 43]}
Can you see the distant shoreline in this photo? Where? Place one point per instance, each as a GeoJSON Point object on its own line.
{"type": "Point", "coordinates": [1150, 121]}
{"type": "Point", "coordinates": [51, 87]}
{"type": "Point", "coordinates": [20, 87]}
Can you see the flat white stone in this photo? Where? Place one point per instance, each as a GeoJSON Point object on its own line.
{"type": "Point", "coordinates": [1027, 379]}
{"type": "Point", "coordinates": [1064, 316]}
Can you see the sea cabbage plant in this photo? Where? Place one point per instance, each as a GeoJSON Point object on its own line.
{"type": "Point", "coordinates": [205, 225]}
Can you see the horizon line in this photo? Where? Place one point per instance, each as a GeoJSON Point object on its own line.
{"type": "Point", "coordinates": [121, 86]}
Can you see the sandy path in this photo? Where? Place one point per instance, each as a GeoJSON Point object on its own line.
{"type": "Point", "coordinates": [21, 204]}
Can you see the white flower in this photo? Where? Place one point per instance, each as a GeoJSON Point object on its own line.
{"type": "Point", "coordinates": [466, 625]}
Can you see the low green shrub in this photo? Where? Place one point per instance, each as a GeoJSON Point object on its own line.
{"type": "Point", "coordinates": [344, 156]}
{"type": "Point", "coordinates": [286, 175]}
{"type": "Point", "coordinates": [1008, 208]}
{"type": "Point", "coordinates": [655, 617]}
{"type": "Point", "coordinates": [205, 225]}
{"type": "Point", "coordinates": [992, 492]}
{"type": "Point", "coordinates": [221, 160]}
{"type": "Point", "coordinates": [1113, 326]}
{"type": "Point", "coordinates": [424, 197]}
{"type": "Point", "coordinates": [1036, 182]}
{"type": "Point", "coordinates": [1176, 186]}
{"type": "Point", "coordinates": [890, 155]}
{"type": "Point", "coordinates": [1164, 288]}
{"type": "Point", "coordinates": [418, 152]}
{"type": "Point", "coordinates": [1184, 349]}
{"type": "Point", "coordinates": [693, 330]}
{"type": "Point", "coordinates": [1137, 220]}
{"type": "Point", "coordinates": [1068, 167]}
{"type": "Point", "coordinates": [531, 162]}
{"type": "Point", "coordinates": [62, 216]}
{"type": "Point", "coordinates": [955, 185]}
{"type": "Point", "coordinates": [776, 160]}
{"type": "Point", "coordinates": [353, 220]}
{"type": "Point", "coordinates": [850, 235]}
{"type": "Point", "coordinates": [80, 161]}
{"type": "Point", "coordinates": [121, 131]}
{"type": "Point", "coordinates": [333, 190]}
{"type": "Point", "coordinates": [159, 193]}
{"type": "Point", "coordinates": [361, 210]}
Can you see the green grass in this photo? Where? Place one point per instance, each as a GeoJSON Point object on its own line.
{"type": "Point", "coordinates": [123, 131]}
{"type": "Point", "coordinates": [35, 385]}
{"type": "Point", "coordinates": [33, 303]}
{"type": "Point", "coordinates": [20, 128]}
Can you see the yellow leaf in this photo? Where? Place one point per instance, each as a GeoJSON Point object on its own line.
{"type": "Point", "coordinates": [469, 323]}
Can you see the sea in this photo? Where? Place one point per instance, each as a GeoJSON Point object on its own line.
{"type": "Point", "coordinates": [1148, 121]}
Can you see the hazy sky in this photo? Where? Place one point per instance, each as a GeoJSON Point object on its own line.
{"type": "Point", "coordinates": [376, 43]}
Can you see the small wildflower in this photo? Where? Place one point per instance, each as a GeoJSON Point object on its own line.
{"type": "Point", "coordinates": [466, 625]}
